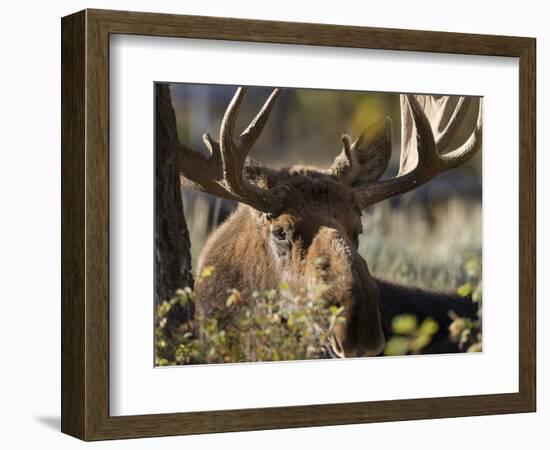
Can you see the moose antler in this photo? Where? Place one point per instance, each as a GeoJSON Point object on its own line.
{"type": "Point", "coordinates": [221, 173]}
{"type": "Point", "coordinates": [428, 124]}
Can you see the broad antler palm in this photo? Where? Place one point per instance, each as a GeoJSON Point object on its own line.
{"type": "Point", "coordinates": [428, 124]}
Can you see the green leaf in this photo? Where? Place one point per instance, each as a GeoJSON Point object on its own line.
{"type": "Point", "coordinates": [475, 348]}
{"type": "Point", "coordinates": [404, 324]}
{"type": "Point", "coordinates": [396, 346]}
{"type": "Point", "coordinates": [477, 294]}
{"type": "Point", "coordinates": [473, 267]}
{"type": "Point", "coordinates": [206, 272]}
{"type": "Point", "coordinates": [421, 341]}
{"type": "Point", "coordinates": [429, 327]}
{"type": "Point", "coordinates": [465, 289]}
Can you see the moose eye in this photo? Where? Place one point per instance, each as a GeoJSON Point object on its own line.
{"type": "Point", "coordinates": [279, 234]}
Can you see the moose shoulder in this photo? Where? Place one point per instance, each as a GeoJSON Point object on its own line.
{"type": "Point", "coordinates": [289, 220]}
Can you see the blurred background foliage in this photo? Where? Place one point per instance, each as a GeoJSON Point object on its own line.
{"type": "Point", "coordinates": [423, 238]}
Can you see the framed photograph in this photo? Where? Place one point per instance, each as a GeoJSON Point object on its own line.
{"type": "Point", "coordinates": [270, 225]}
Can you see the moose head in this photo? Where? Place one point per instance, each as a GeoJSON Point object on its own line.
{"type": "Point", "coordinates": [290, 219]}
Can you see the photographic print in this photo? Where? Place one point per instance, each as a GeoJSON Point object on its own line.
{"type": "Point", "coordinates": [298, 224]}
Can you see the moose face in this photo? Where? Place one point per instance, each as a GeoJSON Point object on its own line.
{"type": "Point", "coordinates": [319, 236]}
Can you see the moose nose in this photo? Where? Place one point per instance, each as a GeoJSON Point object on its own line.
{"type": "Point", "coordinates": [360, 334]}
{"type": "Point", "coordinates": [364, 344]}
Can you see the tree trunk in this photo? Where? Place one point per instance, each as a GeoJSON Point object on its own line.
{"type": "Point", "coordinates": [172, 245]}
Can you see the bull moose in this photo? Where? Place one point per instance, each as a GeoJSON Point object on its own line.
{"type": "Point", "coordinates": [288, 218]}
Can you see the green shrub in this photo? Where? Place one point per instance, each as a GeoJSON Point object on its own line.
{"type": "Point", "coordinates": [284, 327]}
{"type": "Point", "coordinates": [409, 337]}
{"type": "Point", "coordinates": [280, 327]}
{"type": "Point", "coordinates": [464, 331]}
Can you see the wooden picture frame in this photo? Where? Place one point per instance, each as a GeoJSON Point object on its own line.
{"type": "Point", "coordinates": [85, 224]}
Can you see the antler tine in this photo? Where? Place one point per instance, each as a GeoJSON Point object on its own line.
{"type": "Point", "coordinates": [422, 145]}
{"type": "Point", "coordinates": [252, 133]}
{"type": "Point", "coordinates": [233, 154]}
{"type": "Point", "coordinates": [221, 173]}
{"type": "Point", "coordinates": [229, 119]}
{"type": "Point", "coordinates": [211, 144]}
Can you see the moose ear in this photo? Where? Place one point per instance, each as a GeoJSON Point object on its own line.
{"type": "Point", "coordinates": [365, 160]}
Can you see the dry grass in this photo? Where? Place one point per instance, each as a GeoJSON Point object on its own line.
{"type": "Point", "coordinates": [198, 208]}
{"type": "Point", "coordinates": [423, 246]}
